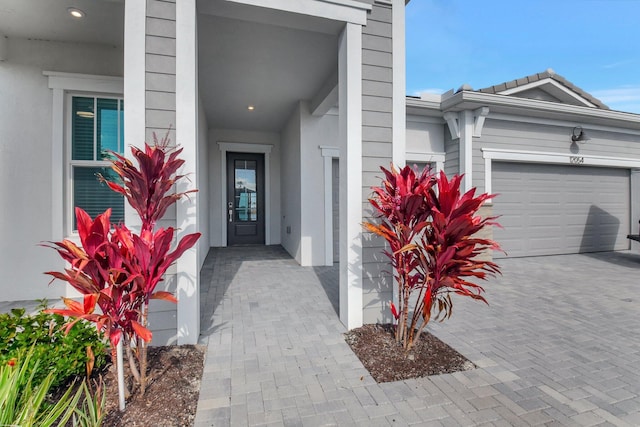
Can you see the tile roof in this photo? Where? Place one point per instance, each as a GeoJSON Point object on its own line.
{"type": "Point", "coordinates": [547, 74]}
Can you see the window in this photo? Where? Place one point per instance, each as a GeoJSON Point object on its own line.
{"type": "Point", "coordinates": [96, 128]}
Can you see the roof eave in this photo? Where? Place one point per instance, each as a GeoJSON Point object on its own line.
{"type": "Point", "coordinates": [466, 100]}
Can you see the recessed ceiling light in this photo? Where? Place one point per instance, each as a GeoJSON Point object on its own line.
{"type": "Point", "coordinates": [76, 13]}
{"type": "Point", "coordinates": [251, 107]}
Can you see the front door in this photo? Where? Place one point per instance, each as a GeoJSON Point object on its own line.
{"type": "Point", "coordinates": [245, 199]}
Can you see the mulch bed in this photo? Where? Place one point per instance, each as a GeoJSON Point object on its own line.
{"type": "Point", "coordinates": [171, 398]}
{"type": "Point", "coordinates": [386, 360]}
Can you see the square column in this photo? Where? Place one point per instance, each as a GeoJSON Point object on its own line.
{"type": "Point", "coordinates": [350, 140]}
{"type": "Point", "coordinates": [188, 277]}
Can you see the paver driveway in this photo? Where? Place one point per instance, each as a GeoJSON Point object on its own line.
{"type": "Point", "coordinates": [558, 345]}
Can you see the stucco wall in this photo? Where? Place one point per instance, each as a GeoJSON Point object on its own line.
{"type": "Point", "coordinates": [315, 132]}
{"type": "Point", "coordinates": [26, 159]}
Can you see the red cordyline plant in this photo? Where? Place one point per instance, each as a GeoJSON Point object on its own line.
{"type": "Point", "coordinates": [431, 229]}
{"type": "Point", "coordinates": [117, 269]}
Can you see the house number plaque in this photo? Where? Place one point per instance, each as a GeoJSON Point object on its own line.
{"type": "Point", "coordinates": [576, 160]}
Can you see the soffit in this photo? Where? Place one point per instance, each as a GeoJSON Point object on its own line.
{"type": "Point", "coordinates": [49, 20]}
{"type": "Point", "coordinates": [248, 61]}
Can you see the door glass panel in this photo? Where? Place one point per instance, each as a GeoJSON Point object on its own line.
{"type": "Point", "coordinates": [246, 198]}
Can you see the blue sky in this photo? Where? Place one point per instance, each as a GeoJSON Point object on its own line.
{"type": "Point", "coordinates": [595, 44]}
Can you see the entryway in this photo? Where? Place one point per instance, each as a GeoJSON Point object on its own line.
{"type": "Point", "coordinates": [245, 199]}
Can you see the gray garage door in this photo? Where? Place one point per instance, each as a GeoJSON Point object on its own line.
{"type": "Point", "coordinates": [558, 209]}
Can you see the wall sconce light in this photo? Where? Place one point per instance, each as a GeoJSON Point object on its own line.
{"type": "Point", "coordinates": [578, 135]}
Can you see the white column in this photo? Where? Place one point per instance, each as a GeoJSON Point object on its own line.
{"type": "Point", "coordinates": [466, 148]}
{"type": "Point", "coordinates": [135, 17]}
{"type": "Point", "coordinates": [350, 137]}
{"type": "Point", "coordinates": [188, 277]}
{"type": "Point", "coordinates": [399, 83]}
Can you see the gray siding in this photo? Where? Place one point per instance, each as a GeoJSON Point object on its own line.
{"type": "Point", "coordinates": [377, 103]}
{"type": "Point", "coordinates": [160, 68]}
{"type": "Point", "coordinates": [547, 138]}
{"type": "Point", "coordinates": [160, 115]}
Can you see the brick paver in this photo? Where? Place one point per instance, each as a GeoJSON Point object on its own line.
{"type": "Point", "coordinates": [559, 344]}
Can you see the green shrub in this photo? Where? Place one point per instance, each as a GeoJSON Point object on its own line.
{"type": "Point", "coordinates": [65, 355]}
{"type": "Point", "coordinates": [24, 403]}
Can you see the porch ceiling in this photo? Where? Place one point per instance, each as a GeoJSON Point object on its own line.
{"type": "Point", "coordinates": [250, 56]}
{"type": "Point", "coordinates": [103, 22]}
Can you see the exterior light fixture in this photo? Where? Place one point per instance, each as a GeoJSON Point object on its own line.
{"type": "Point", "coordinates": [578, 135]}
{"type": "Point", "coordinates": [76, 13]}
{"type": "Point", "coordinates": [251, 107]}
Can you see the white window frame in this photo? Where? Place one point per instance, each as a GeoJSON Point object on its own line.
{"type": "Point", "coordinates": [60, 83]}
{"type": "Point", "coordinates": [70, 163]}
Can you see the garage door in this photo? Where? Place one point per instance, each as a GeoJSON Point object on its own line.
{"type": "Point", "coordinates": [558, 209]}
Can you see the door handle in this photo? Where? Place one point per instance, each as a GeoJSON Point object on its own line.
{"type": "Point", "coordinates": [230, 212]}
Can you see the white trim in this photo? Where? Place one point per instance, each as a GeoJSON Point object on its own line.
{"type": "Point", "coordinates": [543, 82]}
{"type": "Point", "coordinates": [85, 82]}
{"type": "Point", "coordinates": [399, 110]}
{"type": "Point", "coordinates": [437, 158]}
{"type": "Point", "coordinates": [328, 154]}
{"type": "Point", "coordinates": [350, 11]}
{"type": "Point", "coordinates": [58, 166]}
{"type": "Point", "coordinates": [246, 148]}
{"type": "Point", "coordinates": [350, 140]}
{"type": "Point", "coordinates": [518, 156]}
{"type": "Point", "coordinates": [188, 267]}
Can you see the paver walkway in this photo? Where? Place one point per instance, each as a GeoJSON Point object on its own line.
{"type": "Point", "coordinates": [559, 345]}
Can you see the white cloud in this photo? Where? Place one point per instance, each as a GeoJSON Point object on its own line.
{"type": "Point", "coordinates": [624, 98]}
{"type": "Point", "coordinates": [619, 64]}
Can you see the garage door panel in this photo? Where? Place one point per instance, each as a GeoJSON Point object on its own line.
{"type": "Point", "coordinates": [560, 209]}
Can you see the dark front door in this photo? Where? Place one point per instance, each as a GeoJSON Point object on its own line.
{"type": "Point", "coordinates": [245, 199]}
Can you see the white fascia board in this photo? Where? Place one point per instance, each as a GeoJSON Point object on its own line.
{"type": "Point", "coordinates": [351, 11]}
{"type": "Point", "coordinates": [85, 82]}
{"type": "Point", "coordinates": [543, 82]}
{"type": "Point", "coordinates": [428, 104]}
{"type": "Point", "coordinates": [468, 100]}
